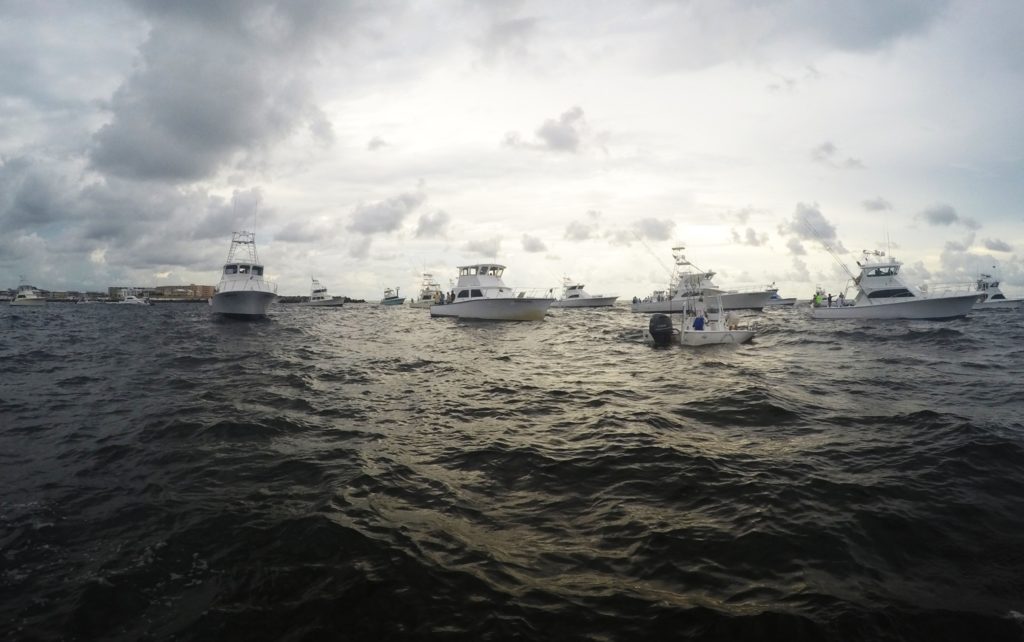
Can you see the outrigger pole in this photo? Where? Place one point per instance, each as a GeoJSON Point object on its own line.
{"type": "Point", "coordinates": [829, 249]}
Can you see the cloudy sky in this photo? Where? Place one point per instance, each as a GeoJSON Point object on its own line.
{"type": "Point", "coordinates": [369, 141]}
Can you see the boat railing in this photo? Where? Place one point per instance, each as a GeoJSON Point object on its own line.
{"type": "Point", "coordinates": [947, 289]}
{"type": "Point", "coordinates": [236, 285]}
{"type": "Point", "coordinates": [528, 293]}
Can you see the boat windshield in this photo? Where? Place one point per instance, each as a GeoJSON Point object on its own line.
{"type": "Point", "coordinates": [243, 269]}
{"type": "Point", "coordinates": [882, 271]}
{"type": "Point", "coordinates": [257, 270]}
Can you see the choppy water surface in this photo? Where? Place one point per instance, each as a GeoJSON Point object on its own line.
{"type": "Point", "coordinates": [371, 473]}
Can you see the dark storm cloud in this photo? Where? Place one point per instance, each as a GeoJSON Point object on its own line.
{"type": "Point", "coordinates": [533, 244]}
{"type": "Point", "coordinates": [32, 197]}
{"type": "Point", "coordinates": [215, 82]}
{"type": "Point", "coordinates": [997, 246]}
{"type": "Point", "coordinates": [387, 215]}
{"type": "Point", "coordinates": [946, 215]}
{"type": "Point", "coordinates": [433, 225]}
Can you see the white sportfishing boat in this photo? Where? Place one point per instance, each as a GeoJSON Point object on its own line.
{"type": "Point", "coordinates": [882, 294]}
{"type": "Point", "coordinates": [774, 300]}
{"type": "Point", "coordinates": [242, 291]}
{"type": "Point", "coordinates": [698, 328]}
{"type": "Point", "coordinates": [481, 294]}
{"type": "Point", "coordinates": [28, 295]}
{"type": "Point", "coordinates": [992, 297]}
{"type": "Point", "coordinates": [574, 296]}
{"type": "Point", "coordinates": [129, 297]}
{"type": "Point", "coordinates": [430, 293]}
{"type": "Point", "coordinates": [690, 283]}
{"type": "Point", "coordinates": [319, 298]}
{"type": "Point", "coordinates": [391, 297]}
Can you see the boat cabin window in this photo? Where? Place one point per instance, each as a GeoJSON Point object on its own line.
{"type": "Point", "coordinates": [998, 296]}
{"type": "Point", "coordinates": [463, 294]}
{"type": "Point", "coordinates": [475, 293]}
{"type": "Point", "coordinates": [257, 270]}
{"type": "Point", "coordinates": [883, 271]}
{"type": "Point", "coordinates": [890, 294]}
{"type": "Point", "coordinates": [995, 284]}
{"type": "Point", "coordinates": [230, 269]}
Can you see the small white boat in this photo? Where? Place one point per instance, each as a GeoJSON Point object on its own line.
{"type": "Point", "coordinates": [774, 300]}
{"type": "Point", "coordinates": [242, 291]}
{"type": "Point", "coordinates": [129, 297]}
{"type": "Point", "coordinates": [882, 294]}
{"type": "Point", "coordinates": [28, 295]}
{"type": "Point", "coordinates": [391, 297]}
{"type": "Point", "coordinates": [318, 297]}
{"type": "Point", "coordinates": [574, 296]}
{"type": "Point", "coordinates": [690, 283]}
{"type": "Point", "coordinates": [698, 328]}
{"type": "Point", "coordinates": [481, 294]}
{"type": "Point", "coordinates": [430, 293]}
{"type": "Point", "coordinates": [992, 297]}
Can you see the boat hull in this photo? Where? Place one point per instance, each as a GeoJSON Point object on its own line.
{"type": "Point", "coordinates": [586, 302]}
{"type": "Point", "coordinates": [242, 303]}
{"type": "Point", "coordinates": [695, 338]}
{"type": "Point", "coordinates": [510, 309]}
{"type": "Point", "coordinates": [731, 301]}
{"type": "Point", "coordinates": [1000, 304]}
{"type": "Point", "coordinates": [779, 303]}
{"type": "Point", "coordinates": [421, 304]}
{"type": "Point", "coordinates": [393, 301]}
{"type": "Point", "coordinates": [324, 303]}
{"type": "Point", "coordinates": [29, 302]}
{"type": "Point", "coordinates": [949, 307]}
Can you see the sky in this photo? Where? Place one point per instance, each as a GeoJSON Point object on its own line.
{"type": "Point", "coordinates": [368, 142]}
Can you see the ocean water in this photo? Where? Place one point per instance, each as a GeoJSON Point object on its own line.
{"type": "Point", "coordinates": [369, 473]}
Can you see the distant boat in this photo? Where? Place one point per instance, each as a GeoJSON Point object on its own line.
{"type": "Point", "coordinates": [688, 283]}
{"type": "Point", "coordinates": [391, 297]}
{"type": "Point", "coordinates": [242, 291]}
{"type": "Point", "coordinates": [481, 294]}
{"type": "Point", "coordinates": [992, 297]}
{"type": "Point", "coordinates": [774, 300]}
{"type": "Point", "coordinates": [698, 328]}
{"type": "Point", "coordinates": [574, 296]}
{"type": "Point", "coordinates": [430, 293]}
{"type": "Point", "coordinates": [882, 294]}
{"type": "Point", "coordinates": [130, 298]}
{"type": "Point", "coordinates": [28, 295]}
{"type": "Point", "coordinates": [318, 297]}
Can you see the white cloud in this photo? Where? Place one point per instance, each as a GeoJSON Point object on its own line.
{"type": "Point", "coordinates": [532, 244]}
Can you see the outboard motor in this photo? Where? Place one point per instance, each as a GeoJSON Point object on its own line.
{"type": "Point", "coordinates": [661, 329]}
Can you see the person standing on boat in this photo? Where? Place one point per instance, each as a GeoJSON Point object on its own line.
{"type": "Point", "coordinates": [698, 322]}
{"type": "Point", "coordinates": [830, 299]}
{"type": "Point", "coordinates": [842, 299]}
